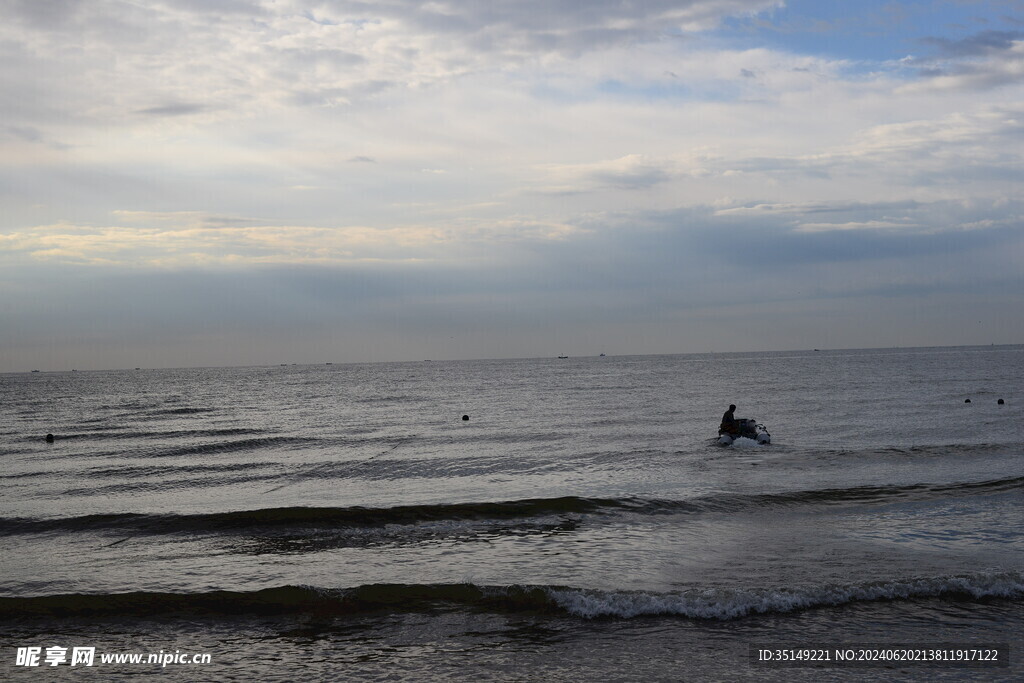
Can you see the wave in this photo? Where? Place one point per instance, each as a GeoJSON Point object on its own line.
{"type": "Point", "coordinates": [726, 604]}
{"type": "Point", "coordinates": [863, 494]}
{"type": "Point", "coordinates": [228, 446]}
{"type": "Point", "coordinates": [125, 432]}
{"type": "Point", "coordinates": [940, 451]}
{"type": "Point", "coordinates": [196, 473]}
{"type": "Point", "coordinates": [703, 604]}
{"type": "Point", "coordinates": [182, 411]}
{"type": "Point", "coordinates": [307, 517]}
{"type": "Point", "coordinates": [300, 518]}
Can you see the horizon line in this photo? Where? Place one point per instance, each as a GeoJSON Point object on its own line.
{"type": "Point", "coordinates": [522, 358]}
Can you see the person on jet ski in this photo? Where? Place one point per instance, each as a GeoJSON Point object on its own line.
{"type": "Point", "coordinates": [729, 423]}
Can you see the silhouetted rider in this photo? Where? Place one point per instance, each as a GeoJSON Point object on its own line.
{"type": "Point", "coordinates": [729, 423]}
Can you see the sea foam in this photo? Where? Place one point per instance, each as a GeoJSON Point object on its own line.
{"type": "Point", "coordinates": [732, 604]}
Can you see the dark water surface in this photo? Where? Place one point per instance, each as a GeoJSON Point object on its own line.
{"type": "Point", "coordinates": [343, 522]}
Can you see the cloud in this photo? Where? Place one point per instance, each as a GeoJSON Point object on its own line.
{"type": "Point", "coordinates": [632, 172]}
{"type": "Point", "coordinates": [188, 239]}
{"type": "Point", "coordinates": [978, 148]}
{"type": "Point", "coordinates": [247, 294]}
{"type": "Point", "coordinates": [24, 133]}
{"type": "Point", "coordinates": [548, 24]}
{"type": "Point", "coordinates": [853, 225]}
{"type": "Point", "coordinates": [984, 43]}
{"type": "Point", "coordinates": [174, 109]}
{"type": "Point", "coordinates": [987, 60]}
{"type": "Point", "coordinates": [216, 8]}
{"type": "Point", "coordinates": [906, 217]}
{"type": "Point", "coordinates": [814, 208]}
{"type": "Point", "coordinates": [243, 56]}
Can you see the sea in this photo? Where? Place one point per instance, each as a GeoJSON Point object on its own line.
{"type": "Point", "coordinates": [554, 519]}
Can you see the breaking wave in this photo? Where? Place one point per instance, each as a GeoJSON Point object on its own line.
{"type": "Point", "coordinates": [702, 604]}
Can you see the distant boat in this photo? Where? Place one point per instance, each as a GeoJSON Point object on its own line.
{"type": "Point", "coordinates": [563, 356]}
{"type": "Point", "coordinates": [602, 355]}
{"type": "Point", "coordinates": [35, 371]}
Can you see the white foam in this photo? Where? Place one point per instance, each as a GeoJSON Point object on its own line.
{"type": "Point", "coordinates": [731, 604]}
{"type": "Point", "coordinates": [744, 442]}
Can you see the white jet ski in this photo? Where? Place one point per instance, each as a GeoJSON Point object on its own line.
{"type": "Point", "coordinates": [747, 428]}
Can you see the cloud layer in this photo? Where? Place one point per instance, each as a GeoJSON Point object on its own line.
{"type": "Point", "coordinates": [362, 180]}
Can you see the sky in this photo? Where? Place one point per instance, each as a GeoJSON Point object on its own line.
{"type": "Point", "coordinates": [246, 182]}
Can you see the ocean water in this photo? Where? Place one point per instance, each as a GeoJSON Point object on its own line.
{"type": "Point", "coordinates": [343, 522]}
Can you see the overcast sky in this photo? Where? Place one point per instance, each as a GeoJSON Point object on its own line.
{"type": "Point", "coordinates": [235, 182]}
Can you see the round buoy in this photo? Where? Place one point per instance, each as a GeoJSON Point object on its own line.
{"type": "Point", "coordinates": [465, 417]}
{"type": "Point", "coordinates": [1000, 401]}
{"type": "Point", "coordinates": [49, 438]}
{"type": "Point", "coordinates": [967, 401]}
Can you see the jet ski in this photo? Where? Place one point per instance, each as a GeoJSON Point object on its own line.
{"type": "Point", "coordinates": [746, 428]}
